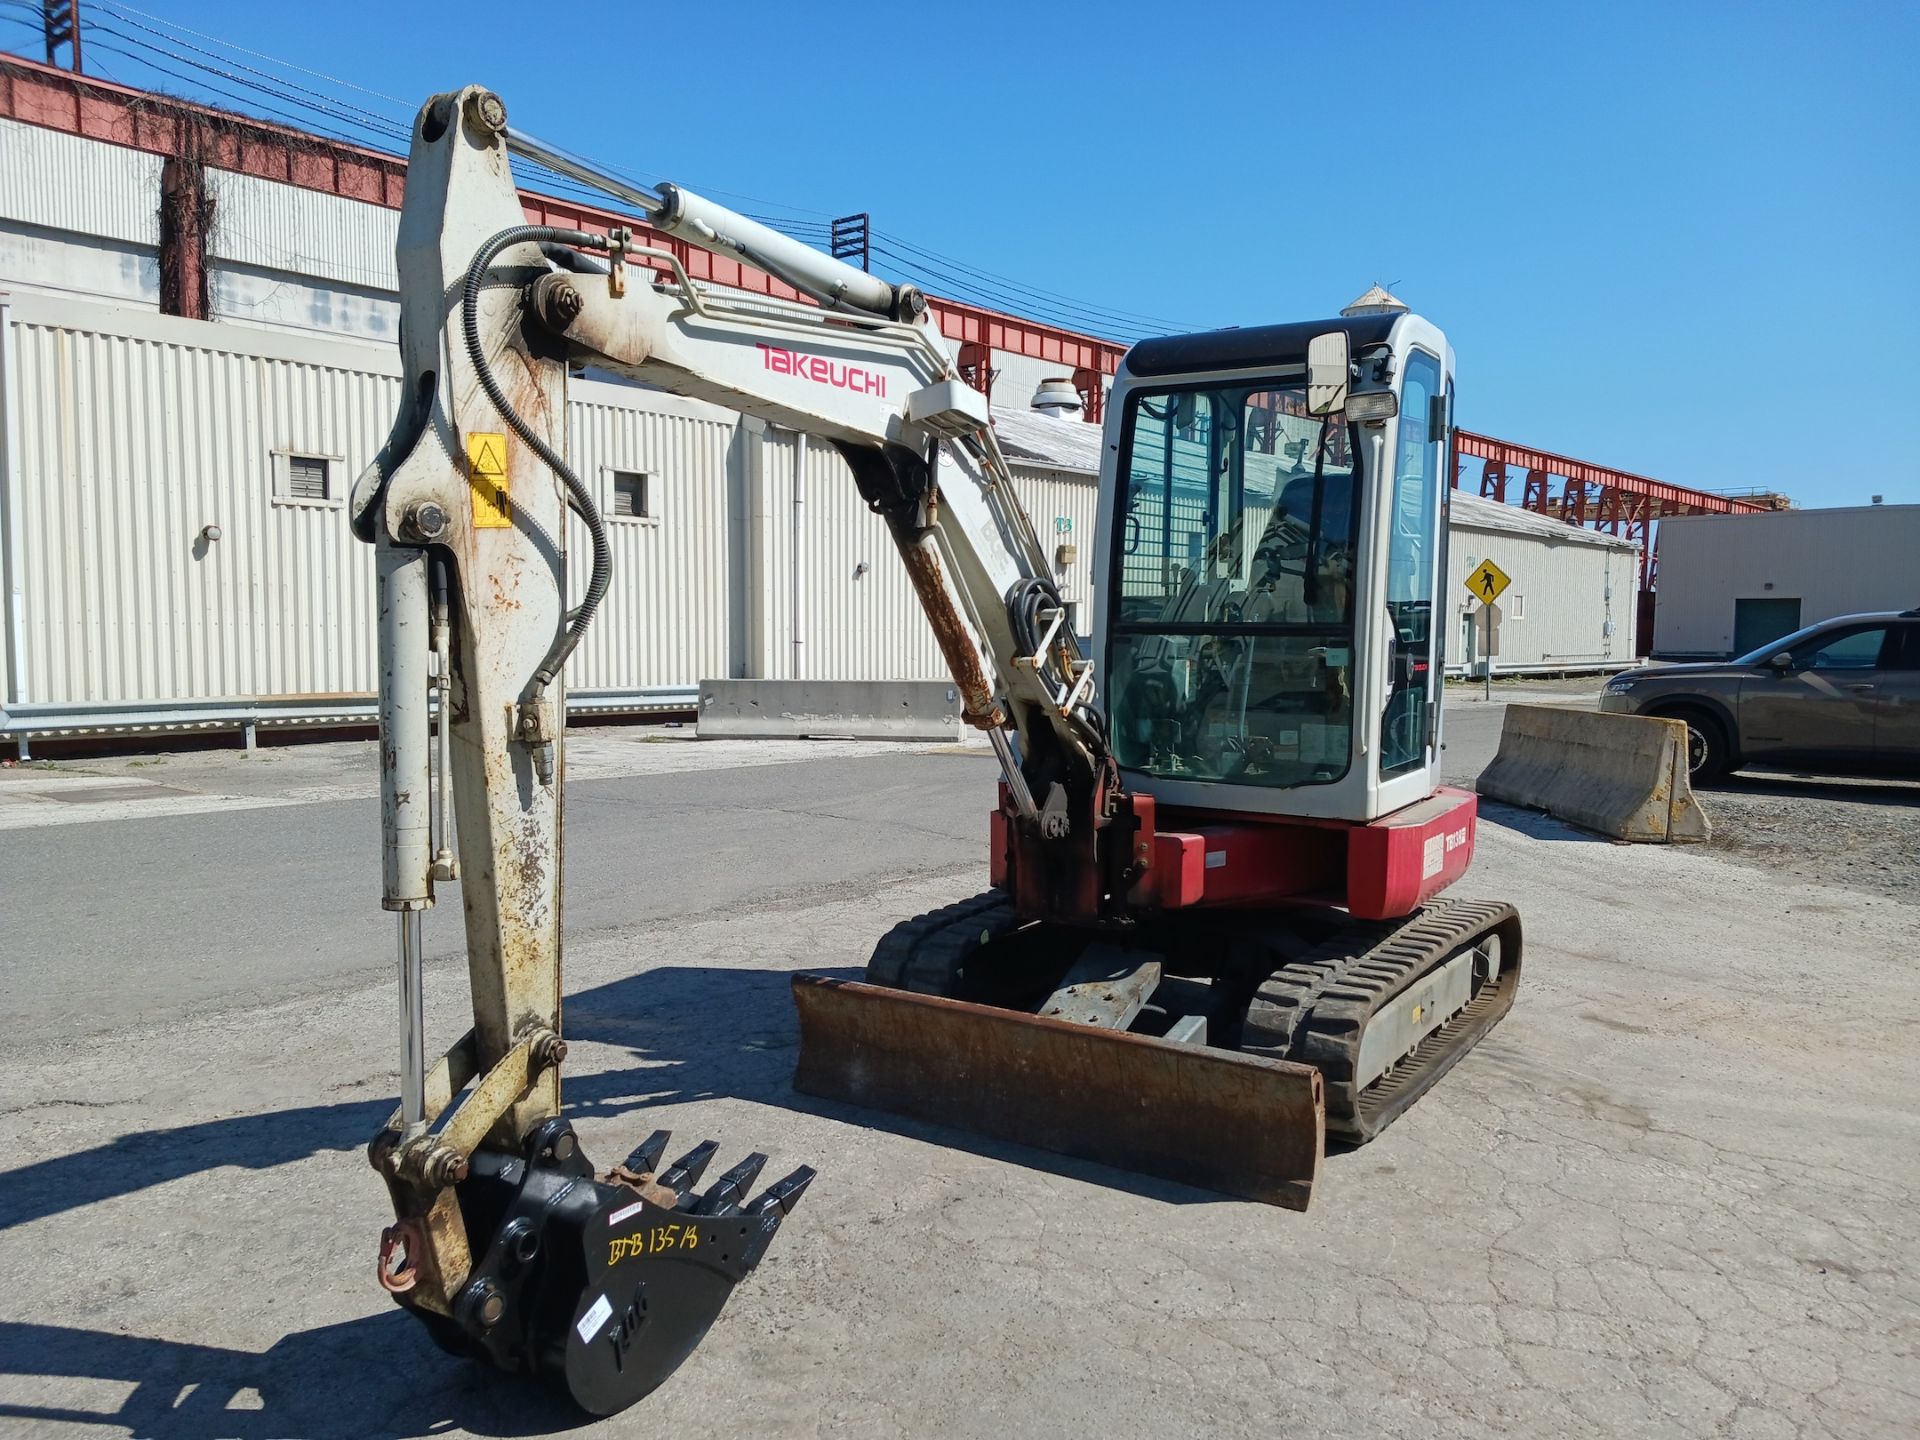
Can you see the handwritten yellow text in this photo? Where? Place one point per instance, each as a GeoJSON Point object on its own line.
{"type": "Point", "coordinates": [656, 1241]}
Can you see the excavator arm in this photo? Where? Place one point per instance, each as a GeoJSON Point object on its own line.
{"type": "Point", "coordinates": [507, 1242]}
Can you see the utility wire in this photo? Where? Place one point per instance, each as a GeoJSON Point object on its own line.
{"type": "Point", "coordinates": [161, 48]}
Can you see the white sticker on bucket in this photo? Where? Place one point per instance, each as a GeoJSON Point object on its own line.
{"type": "Point", "coordinates": [625, 1212]}
{"type": "Point", "coordinates": [597, 1315]}
{"type": "Point", "coordinates": [1433, 857]}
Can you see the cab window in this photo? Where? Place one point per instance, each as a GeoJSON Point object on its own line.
{"type": "Point", "coordinates": [1412, 575]}
{"type": "Point", "coordinates": [1230, 651]}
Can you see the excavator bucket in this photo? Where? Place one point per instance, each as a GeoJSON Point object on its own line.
{"type": "Point", "coordinates": [601, 1284]}
{"type": "Point", "coordinates": [1217, 1119]}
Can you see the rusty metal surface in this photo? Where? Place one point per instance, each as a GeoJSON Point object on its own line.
{"type": "Point", "coordinates": [950, 629]}
{"type": "Point", "coordinates": [1216, 1119]}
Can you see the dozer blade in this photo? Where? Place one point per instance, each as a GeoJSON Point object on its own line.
{"type": "Point", "coordinates": [1212, 1118]}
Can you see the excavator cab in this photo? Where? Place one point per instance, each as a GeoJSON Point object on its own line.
{"type": "Point", "coordinates": [1272, 573]}
{"type": "Point", "coordinates": [1263, 959]}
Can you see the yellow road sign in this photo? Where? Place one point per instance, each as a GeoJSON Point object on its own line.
{"type": "Point", "coordinates": [487, 476]}
{"type": "Point", "coordinates": [1487, 582]}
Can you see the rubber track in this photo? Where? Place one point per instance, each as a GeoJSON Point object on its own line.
{"type": "Point", "coordinates": [1316, 1008]}
{"type": "Point", "coordinates": [925, 954]}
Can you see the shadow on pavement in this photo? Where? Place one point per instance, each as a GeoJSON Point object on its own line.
{"type": "Point", "coordinates": [694, 1033]}
{"type": "Point", "coordinates": [376, 1378]}
{"type": "Point", "coordinates": [153, 1157]}
{"type": "Point", "coordinates": [1535, 824]}
{"type": "Point", "coordinates": [1793, 784]}
{"type": "Point", "coordinates": [697, 1033]}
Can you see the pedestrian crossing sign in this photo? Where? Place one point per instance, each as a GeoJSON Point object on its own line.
{"type": "Point", "coordinates": [1486, 582]}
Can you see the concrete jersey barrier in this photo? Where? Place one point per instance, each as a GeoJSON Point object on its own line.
{"type": "Point", "coordinates": [1621, 775]}
{"type": "Point", "coordinates": [836, 709]}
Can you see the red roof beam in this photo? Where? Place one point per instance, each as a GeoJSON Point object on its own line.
{"type": "Point", "coordinates": [100, 110]}
{"type": "Point", "coordinates": [1580, 472]}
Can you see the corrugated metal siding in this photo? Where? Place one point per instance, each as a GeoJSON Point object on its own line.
{"type": "Point", "coordinates": [63, 182]}
{"type": "Point", "coordinates": [136, 431]}
{"type": "Point", "coordinates": [1016, 377]}
{"type": "Point", "coordinates": [302, 232]}
{"type": "Point", "coordinates": [854, 625]}
{"type": "Point", "coordinates": [129, 446]}
{"type": "Point", "coordinates": [1572, 593]}
{"type": "Point", "coordinates": [1051, 496]}
{"type": "Point", "coordinates": [665, 618]}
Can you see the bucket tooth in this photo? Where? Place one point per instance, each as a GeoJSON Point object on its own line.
{"type": "Point", "coordinates": [723, 1197]}
{"type": "Point", "coordinates": [685, 1172]}
{"type": "Point", "coordinates": [783, 1194]}
{"type": "Point", "coordinates": [645, 1158]}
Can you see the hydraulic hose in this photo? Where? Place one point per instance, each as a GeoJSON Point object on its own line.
{"type": "Point", "coordinates": [1023, 605]}
{"type": "Point", "coordinates": [579, 498]}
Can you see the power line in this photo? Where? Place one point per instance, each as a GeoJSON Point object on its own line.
{"type": "Point", "coordinates": [252, 88]}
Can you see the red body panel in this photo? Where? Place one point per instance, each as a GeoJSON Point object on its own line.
{"type": "Point", "coordinates": [1378, 871]}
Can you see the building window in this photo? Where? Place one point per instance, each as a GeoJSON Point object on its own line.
{"type": "Point", "coordinates": [632, 497]}
{"type": "Point", "coordinates": [304, 479]}
{"type": "Point", "coordinates": [1516, 606]}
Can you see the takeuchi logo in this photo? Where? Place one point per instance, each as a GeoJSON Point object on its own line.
{"type": "Point", "coordinates": [823, 372]}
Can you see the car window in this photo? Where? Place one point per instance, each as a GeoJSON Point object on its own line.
{"type": "Point", "coordinates": [1903, 649]}
{"type": "Point", "coordinates": [1847, 650]}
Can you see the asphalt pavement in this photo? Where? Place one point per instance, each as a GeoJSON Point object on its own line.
{"type": "Point", "coordinates": [1674, 1193]}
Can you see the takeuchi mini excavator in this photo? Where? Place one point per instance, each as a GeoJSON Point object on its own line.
{"type": "Point", "coordinates": [1213, 938]}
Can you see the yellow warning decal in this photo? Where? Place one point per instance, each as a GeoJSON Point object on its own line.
{"type": "Point", "coordinates": [487, 475]}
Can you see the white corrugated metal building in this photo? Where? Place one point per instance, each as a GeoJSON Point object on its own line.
{"type": "Point", "coordinates": [172, 491]}
{"type": "Point", "coordinates": [178, 553]}
{"type": "Point", "coordinates": [1572, 601]}
{"type": "Point", "coordinates": [1732, 583]}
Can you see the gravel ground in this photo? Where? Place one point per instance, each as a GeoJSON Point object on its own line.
{"type": "Point", "coordinates": [1860, 834]}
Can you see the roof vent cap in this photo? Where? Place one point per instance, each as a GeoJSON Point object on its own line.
{"type": "Point", "coordinates": [1377, 301]}
{"type": "Point", "coordinates": [1057, 397]}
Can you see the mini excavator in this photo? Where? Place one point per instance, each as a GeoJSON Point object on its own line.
{"type": "Point", "coordinates": [1215, 936]}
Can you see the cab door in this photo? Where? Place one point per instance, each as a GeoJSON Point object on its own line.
{"type": "Point", "coordinates": [1896, 700]}
{"type": "Point", "coordinates": [1824, 705]}
{"type": "Point", "coordinates": [1415, 538]}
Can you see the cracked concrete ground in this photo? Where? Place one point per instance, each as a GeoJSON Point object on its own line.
{"type": "Point", "coordinates": [1673, 1194]}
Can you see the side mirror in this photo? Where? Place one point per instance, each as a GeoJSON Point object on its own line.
{"type": "Point", "coordinates": [1329, 370]}
{"type": "Point", "coordinates": [1782, 662]}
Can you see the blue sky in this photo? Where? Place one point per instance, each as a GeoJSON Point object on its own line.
{"type": "Point", "coordinates": [1680, 239]}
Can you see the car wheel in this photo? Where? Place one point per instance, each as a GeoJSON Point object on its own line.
{"type": "Point", "coordinates": [1709, 757]}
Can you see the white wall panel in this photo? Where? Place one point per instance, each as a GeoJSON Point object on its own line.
{"type": "Point", "coordinates": [82, 266]}
{"type": "Point", "coordinates": [59, 181]}
{"type": "Point", "coordinates": [854, 624]}
{"type": "Point", "coordinates": [1571, 603]}
{"type": "Point", "coordinates": [1840, 561]}
{"type": "Point", "coordinates": [1053, 496]}
{"type": "Point", "coordinates": [288, 228]}
{"type": "Point", "coordinates": [665, 619]}
{"type": "Point", "coordinates": [129, 444]}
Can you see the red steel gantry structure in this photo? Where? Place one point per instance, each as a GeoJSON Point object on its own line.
{"type": "Point", "coordinates": [1580, 493]}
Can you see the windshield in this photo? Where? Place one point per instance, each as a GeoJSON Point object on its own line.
{"type": "Point", "coordinates": [1232, 638]}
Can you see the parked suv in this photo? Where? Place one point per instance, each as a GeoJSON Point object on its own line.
{"type": "Point", "coordinates": [1843, 695]}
